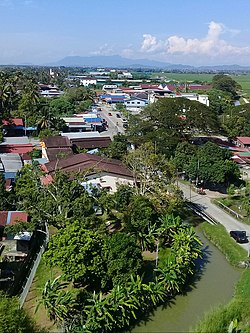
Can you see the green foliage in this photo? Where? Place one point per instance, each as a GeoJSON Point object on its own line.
{"type": "Point", "coordinates": [58, 301]}
{"type": "Point", "coordinates": [118, 147]}
{"type": "Point", "coordinates": [60, 106]}
{"type": "Point", "coordinates": [211, 164]}
{"type": "Point", "coordinates": [80, 254]}
{"type": "Point", "coordinates": [183, 154]}
{"type": "Point", "coordinates": [123, 197]}
{"type": "Point", "coordinates": [220, 101]}
{"type": "Point", "coordinates": [123, 258]}
{"type": "Point", "coordinates": [12, 318]}
{"type": "Point", "coordinates": [225, 83]}
{"type": "Point", "coordinates": [237, 122]}
{"type": "Point", "coordinates": [220, 237]}
{"type": "Point", "coordinates": [60, 201]}
{"type": "Point", "coordinates": [162, 123]}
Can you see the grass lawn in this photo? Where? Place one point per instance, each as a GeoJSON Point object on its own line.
{"type": "Point", "coordinates": [218, 235]}
{"type": "Point", "coordinates": [43, 273]}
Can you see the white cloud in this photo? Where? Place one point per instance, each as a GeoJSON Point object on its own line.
{"type": "Point", "coordinates": [104, 49]}
{"type": "Point", "coordinates": [211, 45]}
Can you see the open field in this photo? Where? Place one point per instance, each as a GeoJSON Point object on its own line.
{"type": "Point", "coordinates": [242, 79]}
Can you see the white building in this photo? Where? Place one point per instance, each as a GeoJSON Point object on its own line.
{"type": "Point", "coordinates": [86, 81]}
{"type": "Point", "coordinates": [135, 104]}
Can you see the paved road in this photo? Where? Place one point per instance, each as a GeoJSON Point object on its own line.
{"type": "Point", "coordinates": [204, 202]}
{"type": "Point", "coordinates": [114, 123]}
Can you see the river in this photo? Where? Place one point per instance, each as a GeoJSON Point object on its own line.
{"type": "Point", "coordinates": [214, 286]}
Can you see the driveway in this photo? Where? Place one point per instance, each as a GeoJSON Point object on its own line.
{"type": "Point", "coordinates": [204, 202]}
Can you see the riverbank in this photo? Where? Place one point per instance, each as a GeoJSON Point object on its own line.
{"type": "Point", "coordinates": [236, 312]}
{"type": "Point", "coordinates": [214, 284]}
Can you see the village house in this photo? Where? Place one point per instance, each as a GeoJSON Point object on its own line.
{"type": "Point", "coordinates": [102, 172]}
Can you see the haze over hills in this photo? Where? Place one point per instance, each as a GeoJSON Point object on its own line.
{"type": "Point", "coordinates": [117, 61]}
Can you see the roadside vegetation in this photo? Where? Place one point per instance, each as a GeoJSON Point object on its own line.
{"type": "Point", "coordinates": [218, 235]}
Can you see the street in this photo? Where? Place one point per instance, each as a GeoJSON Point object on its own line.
{"type": "Point", "coordinates": [115, 125]}
{"type": "Point", "coordinates": [204, 202]}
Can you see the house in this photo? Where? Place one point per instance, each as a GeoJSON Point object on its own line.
{"type": "Point", "coordinates": [56, 147]}
{"type": "Point", "coordinates": [135, 103]}
{"type": "Point", "coordinates": [10, 164]}
{"type": "Point", "coordinates": [103, 172]}
{"type": "Point", "coordinates": [50, 91]}
{"type": "Point", "coordinates": [11, 218]}
{"type": "Point", "coordinates": [86, 81]}
{"type": "Point", "coordinates": [13, 126]}
{"type": "Point", "coordinates": [18, 145]}
{"type": "Point", "coordinates": [243, 141]}
{"type": "Point", "coordinates": [91, 143]}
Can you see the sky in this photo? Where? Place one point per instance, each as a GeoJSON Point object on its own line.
{"type": "Point", "coordinates": [193, 32]}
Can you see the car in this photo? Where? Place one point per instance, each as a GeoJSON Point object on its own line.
{"type": "Point", "coordinates": [125, 125]}
{"type": "Point", "coordinates": [124, 120]}
{"type": "Point", "coordinates": [110, 114]}
{"type": "Point", "coordinates": [118, 116]}
{"type": "Point", "coordinates": [239, 236]}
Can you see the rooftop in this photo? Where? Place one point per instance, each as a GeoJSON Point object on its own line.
{"type": "Point", "coordinates": [90, 164]}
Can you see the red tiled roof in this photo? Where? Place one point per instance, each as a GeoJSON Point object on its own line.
{"type": "Point", "coordinates": [57, 141]}
{"type": "Point", "coordinates": [12, 217]}
{"type": "Point", "coordinates": [3, 218]}
{"type": "Point", "coordinates": [15, 148]}
{"type": "Point", "coordinates": [244, 139]}
{"type": "Point", "coordinates": [90, 163]}
{"type": "Point", "coordinates": [13, 121]}
{"type": "Point", "coordinates": [90, 143]}
{"type": "Point", "coordinates": [18, 217]}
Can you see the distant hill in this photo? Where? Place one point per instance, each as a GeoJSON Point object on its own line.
{"type": "Point", "coordinates": [116, 61]}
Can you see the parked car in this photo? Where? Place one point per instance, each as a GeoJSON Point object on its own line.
{"type": "Point", "coordinates": [118, 116]}
{"type": "Point", "coordinates": [110, 114]}
{"type": "Point", "coordinates": [125, 125]}
{"type": "Point", "coordinates": [239, 236]}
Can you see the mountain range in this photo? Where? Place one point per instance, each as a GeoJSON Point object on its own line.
{"type": "Point", "coordinates": [116, 61]}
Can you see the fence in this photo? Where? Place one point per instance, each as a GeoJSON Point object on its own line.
{"type": "Point", "coordinates": [229, 210]}
{"type": "Point", "coordinates": [29, 277]}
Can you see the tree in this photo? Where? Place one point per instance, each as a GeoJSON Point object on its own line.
{"type": "Point", "coordinates": [123, 258]}
{"type": "Point", "coordinates": [183, 154]}
{"type": "Point", "coordinates": [61, 106]}
{"type": "Point", "coordinates": [225, 83]}
{"type": "Point", "coordinates": [8, 94]}
{"type": "Point", "coordinates": [62, 200]}
{"type": "Point", "coordinates": [220, 101]}
{"type": "Point", "coordinates": [170, 121]}
{"type": "Point", "coordinates": [80, 254]}
{"type": "Point", "coordinates": [151, 170]}
{"type": "Point", "coordinates": [12, 318]}
{"type": "Point", "coordinates": [237, 123]}
{"type": "Point", "coordinates": [213, 165]}
{"type": "Point", "coordinates": [118, 147]}
{"type": "Point", "coordinates": [57, 301]}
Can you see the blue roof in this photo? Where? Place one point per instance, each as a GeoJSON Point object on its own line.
{"type": "Point", "coordinates": [93, 120]}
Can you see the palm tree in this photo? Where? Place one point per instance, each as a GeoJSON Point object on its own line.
{"type": "Point", "coordinates": [58, 302]}
{"type": "Point", "coordinates": [168, 225]}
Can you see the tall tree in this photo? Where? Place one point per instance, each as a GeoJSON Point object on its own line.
{"type": "Point", "coordinates": [80, 254]}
